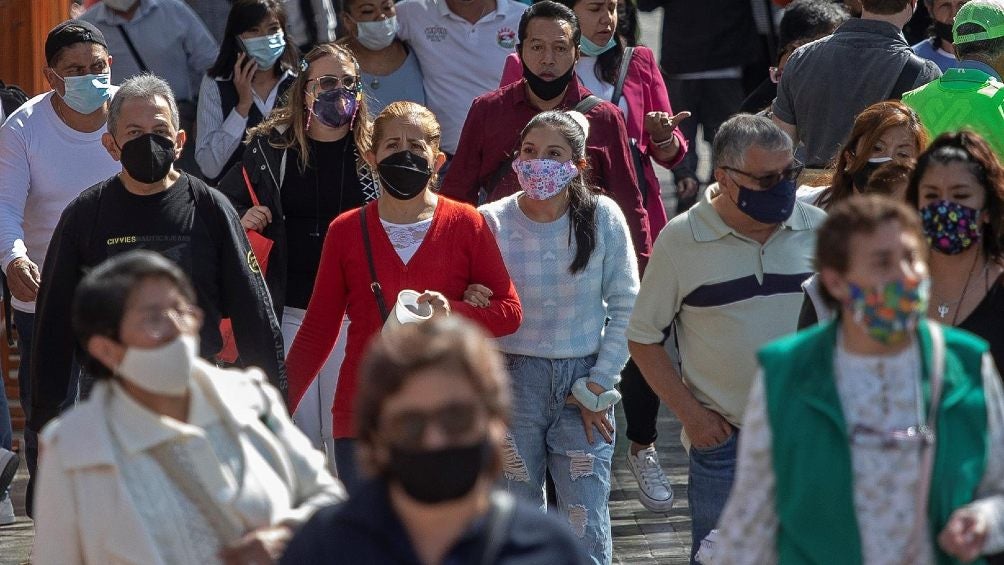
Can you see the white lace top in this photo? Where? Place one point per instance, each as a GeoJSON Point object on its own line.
{"type": "Point", "coordinates": [406, 238]}
{"type": "Point", "coordinates": [879, 393]}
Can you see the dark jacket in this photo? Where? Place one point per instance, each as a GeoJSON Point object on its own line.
{"type": "Point", "coordinates": [211, 248]}
{"type": "Point", "coordinates": [266, 166]}
{"type": "Point", "coordinates": [365, 529]}
{"type": "Point", "coordinates": [704, 35]}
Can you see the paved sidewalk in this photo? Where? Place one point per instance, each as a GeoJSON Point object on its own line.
{"type": "Point", "coordinates": [640, 536]}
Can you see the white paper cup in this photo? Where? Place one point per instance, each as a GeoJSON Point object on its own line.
{"type": "Point", "coordinates": [407, 310]}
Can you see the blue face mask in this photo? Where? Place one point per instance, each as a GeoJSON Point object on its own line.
{"type": "Point", "coordinates": [87, 93]}
{"type": "Point", "coordinates": [590, 49]}
{"type": "Point", "coordinates": [770, 206]}
{"type": "Point", "coordinates": [266, 49]}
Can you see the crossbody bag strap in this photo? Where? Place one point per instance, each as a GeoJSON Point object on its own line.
{"type": "Point", "coordinates": [132, 49]}
{"type": "Point", "coordinates": [621, 75]}
{"type": "Point", "coordinates": [247, 183]}
{"type": "Point", "coordinates": [374, 284]}
{"type": "Point", "coordinates": [914, 549]}
{"type": "Point", "coordinates": [587, 104]}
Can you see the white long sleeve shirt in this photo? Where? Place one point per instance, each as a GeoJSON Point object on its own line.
{"type": "Point", "coordinates": [44, 164]}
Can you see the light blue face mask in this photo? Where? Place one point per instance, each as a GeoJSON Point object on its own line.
{"type": "Point", "coordinates": [266, 49]}
{"type": "Point", "coordinates": [590, 49]}
{"type": "Point", "coordinates": [87, 93]}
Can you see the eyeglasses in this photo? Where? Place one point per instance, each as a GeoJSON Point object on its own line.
{"type": "Point", "coordinates": [407, 428]}
{"type": "Point", "coordinates": [159, 323]}
{"type": "Point", "coordinates": [913, 437]}
{"type": "Point", "coordinates": [326, 83]}
{"type": "Point", "coordinates": [791, 172]}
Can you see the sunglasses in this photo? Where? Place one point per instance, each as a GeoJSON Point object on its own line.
{"type": "Point", "coordinates": [407, 428]}
{"type": "Point", "coordinates": [791, 172]}
{"type": "Point", "coordinates": [326, 83]}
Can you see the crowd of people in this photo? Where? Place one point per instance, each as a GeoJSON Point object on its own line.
{"type": "Point", "coordinates": [291, 287]}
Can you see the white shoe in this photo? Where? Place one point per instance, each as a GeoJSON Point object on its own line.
{"type": "Point", "coordinates": [654, 490]}
{"type": "Point", "coordinates": [9, 462]}
{"type": "Point", "coordinates": [706, 551]}
{"type": "Point", "coordinates": [6, 511]}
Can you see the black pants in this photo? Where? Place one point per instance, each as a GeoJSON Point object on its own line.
{"type": "Point", "coordinates": [711, 102]}
{"type": "Point", "coordinates": [641, 405]}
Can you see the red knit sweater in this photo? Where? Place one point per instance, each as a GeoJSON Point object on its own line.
{"type": "Point", "coordinates": [459, 249]}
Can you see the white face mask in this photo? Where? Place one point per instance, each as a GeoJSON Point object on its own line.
{"type": "Point", "coordinates": [163, 370]}
{"type": "Point", "coordinates": [377, 35]}
{"type": "Point", "coordinates": [120, 5]}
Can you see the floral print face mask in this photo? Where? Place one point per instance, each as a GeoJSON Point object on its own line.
{"type": "Point", "coordinates": [542, 179]}
{"type": "Point", "coordinates": [951, 228]}
{"type": "Point", "coordinates": [890, 311]}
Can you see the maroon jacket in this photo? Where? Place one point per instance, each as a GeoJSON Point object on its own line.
{"type": "Point", "coordinates": [491, 134]}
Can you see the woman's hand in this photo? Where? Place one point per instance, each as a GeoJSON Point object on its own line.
{"type": "Point", "coordinates": [257, 218]}
{"type": "Point", "coordinates": [244, 70]}
{"type": "Point", "coordinates": [592, 419]}
{"type": "Point", "coordinates": [259, 547]}
{"type": "Point", "coordinates": [440, 304]}
{"type": "Point", "coordinates": [964, 535]}
{"type": "Point", "coordinates": [660, 125]}
{"type": "Point", "coordinates": [478, 296]}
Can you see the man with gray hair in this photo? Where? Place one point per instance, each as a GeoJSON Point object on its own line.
{"type": "Point", "coordinates": [728, 274]}
{"type": "Point", "coordinates": [971, 95]}
{"type": "Point", "coordinates": [151, 205]}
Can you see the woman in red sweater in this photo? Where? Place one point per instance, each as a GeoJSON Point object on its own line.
{"type": "Point", "coordinates": [419, 241]}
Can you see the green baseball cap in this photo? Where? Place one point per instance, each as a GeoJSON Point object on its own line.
{"type": "Point", "coordinates": [988, 14]}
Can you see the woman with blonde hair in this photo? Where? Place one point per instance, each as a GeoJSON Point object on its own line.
{"type": "Point", "coordinates": [883, 132]}
{"type": "Point", "coordinates": [303, 167]}
{"type": "Point", "coordinates": [410, 238]}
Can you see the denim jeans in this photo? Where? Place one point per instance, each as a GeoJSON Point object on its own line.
{"type": "Point", "coordinates": [712, 470]}
{"type": "Point", "coordinates": [547, 435]}
{"type": "Point", "coordinates": [25, 324]}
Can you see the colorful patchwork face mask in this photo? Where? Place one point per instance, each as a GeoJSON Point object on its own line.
{"type": "Point", "coordinates": [889, 312]}
{"type": "Point", "coordinates": [542, 179]}
{"type": "Point", "coordinates": [950, 227]}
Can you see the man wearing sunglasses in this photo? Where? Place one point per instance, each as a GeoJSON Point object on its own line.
{"type": "Point", "coordinates": [727, 272]}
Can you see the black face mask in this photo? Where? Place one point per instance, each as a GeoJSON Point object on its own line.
{"type": "Point", "coordinates": [404, 175]}
{"type": "Point", "coordinates": [547, 89]}
{"type": "Point", "coordinates": [860, 178]}
{"type": "Point", "coordinates": [441, 475]}
{"type": "Point", "coordinates": [148, 158]}
{"type": "Point", "coordinates": [943, 31]}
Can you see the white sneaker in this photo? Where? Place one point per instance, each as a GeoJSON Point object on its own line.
{"type": "Point", "coordinates": [6, 511]}
{"type": "Point", "coordinates": [655, 492]}
{"type": "Point", "coordinates": [706, 551]}
{"type": "Point", "coordinates": [8, 468]}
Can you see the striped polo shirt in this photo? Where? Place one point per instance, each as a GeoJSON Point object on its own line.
{"type": "Point", "coordinates": [728, 295]}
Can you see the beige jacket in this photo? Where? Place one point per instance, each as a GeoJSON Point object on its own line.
{"type": "Point", "coordinates": [83, 510]}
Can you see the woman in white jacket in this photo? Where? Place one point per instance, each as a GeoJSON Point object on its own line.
{"type": "Point", "coordinates": [170, 460]}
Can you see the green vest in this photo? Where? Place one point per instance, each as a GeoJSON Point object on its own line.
{"type": "Point", "coordinates": [962, 98]}
{"type": "Point", "coordinates": [811, 450]}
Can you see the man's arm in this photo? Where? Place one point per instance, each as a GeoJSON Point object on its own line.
{"type": "Point", "coordinates": [787, 128]}
{"type": "Point", "coordinates": [15, 180]}
{"type": "Point", "coordinates": [246, 301]}
{"type": "Point", "coordinates": [53, 344]}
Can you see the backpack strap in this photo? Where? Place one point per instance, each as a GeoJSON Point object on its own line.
{"type": "Point", "coordinates": [907, 77]}
{"type": "Point", "coordinates": [621, 75]}
{"type": "Point", "coordinates": [587, 104]}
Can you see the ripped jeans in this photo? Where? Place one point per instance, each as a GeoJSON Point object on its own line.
{"type": "Point", "coordinates": [547, 434]}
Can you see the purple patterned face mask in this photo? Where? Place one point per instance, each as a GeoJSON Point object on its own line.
{"type": "Point", "coordinates": [951, 227]}
{"type": "Point", "coordinates": [335, 108]}
{"type": "Point", "coordinates": [543, 179]}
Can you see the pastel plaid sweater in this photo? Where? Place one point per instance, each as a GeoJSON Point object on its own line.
{"type": "Point", "coordinates": [564, 314]}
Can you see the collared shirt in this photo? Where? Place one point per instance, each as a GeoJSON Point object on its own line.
{"type": "Point", "coordinates": [460, 60]}
{"type": "Point", "coordinates": [828, 82]}
{"type": "Point", "coordinates": [491, 135]}
{"type": "Point", "coordinates": [728, 295]}
{"type": "Point", "coordinates": [219, 135]}
{"type": "Point", "coordinates": [970, 96]}
{"type": "Point", "coordinates": [170, 38]}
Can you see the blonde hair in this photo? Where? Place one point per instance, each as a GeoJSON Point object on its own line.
{"type": "Point", "coordinates": [293, 115]}
{"type": "Point", "coordinates": [405, 109]}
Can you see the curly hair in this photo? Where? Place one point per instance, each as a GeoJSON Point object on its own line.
{"type": "Point", "coordinates": [975, 153]}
